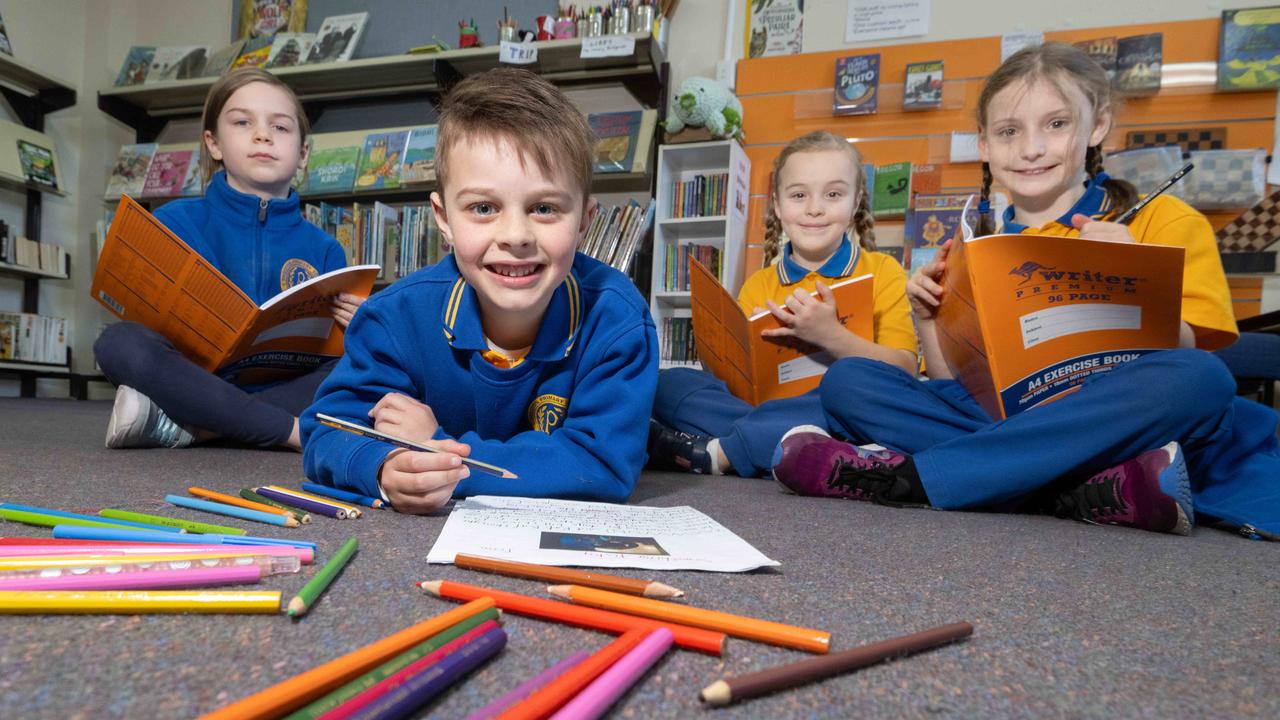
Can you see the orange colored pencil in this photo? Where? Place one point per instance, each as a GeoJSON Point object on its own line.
{"type": "Point", "coordinates": [815, 641]}
{"type": "Point", "coordinates": [238, 502]}
{"type": "Point", "coordinates": [278, 700]}
{"type": "Point", "coordinates": [564, 688]}
{"type": "Point", "coordinates": [692, 638]}
{"type": "Point", "coordinates": [569, 576]}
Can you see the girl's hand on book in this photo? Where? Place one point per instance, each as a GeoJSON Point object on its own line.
{"type": "Point", "coordinates": [924, 288]}
{"type": "Point", "coordinates": [420, 482]}
{"type": "Point", "coordinates": [404, 417]}
{"type": "Point", "coordinates": [344, 307]}
{"type": "Point", "coordinates": [1100, 230]}
{"type": "Point", "coordinates": [808, 318]}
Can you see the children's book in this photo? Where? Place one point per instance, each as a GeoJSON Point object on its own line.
{"type": "Point", "coordinates": [266, 18]}
{"type": "Point", "coordinates": [419, 156]}
{"type": "Point", "coordinates": [289, 49]}
{"type": "Point", "coordinates": [1103, 51]}
{"type": "Point", "coordinates": [380, 161]}
{"type": "Point", "coordinates": [1028, 318]}
{"type": "Point", "coordinates": [5, 47]}
{"type": "Point", "coordinates": [1249, 49]}
{"type": "Point", "coordinates": [926, 179]}
{"type": "Point", "coordinates": [168, 173]}
{"type": "Point", "coordinates": [617, 134]}
{"type": "Point", "coordinates": [857, 84]}
{"type": "Point", "coordinates": [254, 53]}
{"type": "Point", "coordinates": [923, 87]}
{"type": "Point", "coordinates": [177, 63]}
{"type": "Point", "coordinates": [892, 194]}
{"type": "Point", "coordinates": [757, 368]}
{"type": "Point", "coordinates": [129, 174]}
{"type": "Point", "coordinates": [193, 183]}
{"type": "Point", "coordinates": [775, 27]}
{"type": "Point", "coordinates": [37, 164]}
{"type": "Point", "coordinates": [1138, 60]}
{"type": "Point", "coordinates": [332, 170]}
{"type": "Point", "coordinates": [934, 220]}
{"type": "Point", "coordinates": [147, 274]}
{"type": "Point", "coordinates": [135, 67]}
{"type": "Point", "coordinates": [338, 37]}
{"type": "Point", "coordinates": [220, 61]}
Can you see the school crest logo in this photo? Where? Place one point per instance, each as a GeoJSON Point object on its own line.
{"type": "Point", "coordinates": [295, 271]}
{"type": "Point", "coordinates": [546, 412]}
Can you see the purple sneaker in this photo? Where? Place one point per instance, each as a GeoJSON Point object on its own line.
{"type": "Point", "coordinates": [810, 462]}
{"type": "Point", "coordinates": [1149, 492]}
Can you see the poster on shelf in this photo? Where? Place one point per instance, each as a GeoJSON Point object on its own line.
{"type": "Point", "coordinates": [886, 20]}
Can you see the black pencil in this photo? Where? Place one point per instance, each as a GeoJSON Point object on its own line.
{"type": "Point", "coordinates": [364, 431]}
{"type": "Point", "coordinates": [1129, 214]}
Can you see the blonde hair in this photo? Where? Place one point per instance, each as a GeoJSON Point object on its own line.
{"type": "Point", "coordinates": [221, 92]}
{"type": "Point", "coordinates": [1056, 63]}
{"type": "Point", "coordinates": [515, 105]}
{"type": "Point", "coordinates": [861, 226]}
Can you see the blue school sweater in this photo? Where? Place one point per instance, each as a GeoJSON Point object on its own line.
{"type": "Point", "coordinates": [571, 419]}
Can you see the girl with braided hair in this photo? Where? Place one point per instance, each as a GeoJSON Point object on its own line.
{"type": "Point", "coordinates": [818, 231]}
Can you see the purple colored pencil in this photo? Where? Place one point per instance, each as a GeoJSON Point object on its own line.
{"type": "Point", "coordinates": [302, 503]}
{"type": "Point", "coordinates": [419, 689]}
{"type": "Point", "coordinates": [145, 580]}
{"type": "Point", "coordinates": [596, 699]}
{"type": "Point", "coordinates": [528, 687]}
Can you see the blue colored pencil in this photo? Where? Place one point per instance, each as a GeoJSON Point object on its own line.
{"type": "Point", "coordinates": [344, 495]}
{"type": "Point", "coordinates": [218, 508]}
{"type": "Point", "coordinates": [95, 518]}
{"type": "Point", "coordinates": [70, 532]}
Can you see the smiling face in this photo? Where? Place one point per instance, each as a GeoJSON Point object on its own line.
{"type": "Point", "coordinates": [514, 232]}
{"type": "Point", "coordinates": [1035, 141]}
{"type": "Point", "coordinates": [258, 141]}
{"type": "Point", "coordinates": [817, 194]}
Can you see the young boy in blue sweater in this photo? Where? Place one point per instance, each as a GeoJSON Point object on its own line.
{"type": "Point", "coordinates": [514, 349]}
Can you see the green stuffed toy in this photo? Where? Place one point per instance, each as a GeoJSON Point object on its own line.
{"type": "Point", "coordinates": [702, 102]}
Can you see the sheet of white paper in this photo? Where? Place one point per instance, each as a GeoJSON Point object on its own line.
{"type": "Point", "coordinates": [1013, 42]}
{"type": "Point", "coordinates": [587, 534]}
{"type": "Point", "coordinates": [517, 53]}
{"type": "Point", "coordinates": [886, 19]}
{"type": "Point", "coordinates": [964, 147]}
{"type": "Point", "coordinates": [608, 46]}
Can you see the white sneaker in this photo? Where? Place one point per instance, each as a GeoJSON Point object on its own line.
{"type": "Point", "coordinates": [136, 422]}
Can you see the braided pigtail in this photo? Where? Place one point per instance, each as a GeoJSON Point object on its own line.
{"type": "Point", "coordinates": [772, 236]}
{"type": "Point", "coordinates": [1122, 192]}
{"type": "Point", "coordinates": [864, 225]}
{"type": "Point", "coordinates": [986, 226]}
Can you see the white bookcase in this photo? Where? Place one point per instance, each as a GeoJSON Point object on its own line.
{"type": "Point", "coordinates": [725, 231]}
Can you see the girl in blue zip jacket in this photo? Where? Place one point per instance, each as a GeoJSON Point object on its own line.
{"type": "Point", "coordinates": [250, 227]}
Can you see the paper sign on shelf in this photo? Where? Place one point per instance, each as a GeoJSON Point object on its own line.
{"type": "Point", "coordinates": [608, 46]}
{"type": "Point", "coordinates": [886, 20]}
{"type": "Point", "coordinates": [517, 53]}
{"type": "Point", "coordinates": [964, 147]}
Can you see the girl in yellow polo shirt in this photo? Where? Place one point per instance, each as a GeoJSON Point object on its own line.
{"type": "Point", "coordinates": [819, 201]}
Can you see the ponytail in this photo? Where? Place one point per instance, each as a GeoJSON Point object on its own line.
{"type": "Point", "coordinates": [864, 225]}
{"type": "Point", "coordinates": [986, 226]}
{"type": "Point", "coordinates": [772, 235]}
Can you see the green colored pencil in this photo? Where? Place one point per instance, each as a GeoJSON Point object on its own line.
{"type": "Point", "coordinates": [392, 666]}
{"type": "Point", "coordinates": [188, 525]}
{"type": "Point", "coordinates": [301, 517]}
{"type": "Point", "coordinates": [32, 518]}
{"type": "Point", "coordinates": [309, 592]}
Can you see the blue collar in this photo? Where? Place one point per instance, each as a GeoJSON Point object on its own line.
{"type": "Point", "coordinates": [838, 265]}
{"type": "Point", "coordinates": [556, 336]}
{"type": "Point", "coordinates": [242, 209]}
{"type": "Point", "coordinates": [1094, 202]}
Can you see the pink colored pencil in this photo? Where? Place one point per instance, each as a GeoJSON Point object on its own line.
{"type": "Point", "coordinates": [146, 580]}
{"type": "Point", "coordinates": [304, 555]}
{"type": "Point", "coordinates": [390, 683]}
{"type": "Point", "coordinates": [528, 687]}
{"type": "Point", "coordinates": [596, 699]}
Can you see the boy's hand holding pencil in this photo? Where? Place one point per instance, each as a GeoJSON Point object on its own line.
{"type": "Point", "coordinates": [421, 482]}
{"type": "Point", "coordinates": [403, 416]}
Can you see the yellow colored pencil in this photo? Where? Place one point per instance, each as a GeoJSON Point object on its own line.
{"type": "Point", "coordinates": [130, 602]}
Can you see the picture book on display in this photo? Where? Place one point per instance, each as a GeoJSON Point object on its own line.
{"type": "Point", "coordinates": [220, 61]}
{"type": "Point", "coordinates": [892, 194]}
{"type": "Point", "coordinates": [265, 18]}
{"type": "Point", "coordinates": [922, 89]}
{"type": "Point", "coordinates": [129, 174]}
{"type": "Point", "coordinates": [380, 161]}
{"type": "Point", "coordinates": [757, 368]}
{"type": "Point", "coordinates": [5, 47]}
{"type": "Point", "coordinates": [176, 63]}
{"type": "Point", "coordinates": [1028, 318]}
{"type": "Point", "coordinates": [254, 53]}
{"type": "Point", "coordinates": [147, 274]}
{"type": "Point", "coordinates": [338, 37]}
{"type": "Point", "coordinates": [617, 135]}
{"type": "Point", "coordinates": [1138, 61]}
{"type": "Point", "coordinates": [135, 67]}
{"type": "Point", "coordinates": [857, 84]}
{"type": "Point", "coordinates": [332, 170]}
{"type": "Point", "coordinates": [933, 220]}
{"type": "Point", "coordinates": [1249, 49]}
{"type": "Point", "coordinates": [419, 164]}
{"type": "Point", "coordinates": [289, 49]}
{"type": "Point", "coordinates": [168, 173]}
{"type": "Point", "coordinates": [775, 27]}
{"type": "Point", "coordinates": [37, 164]}
{"type": "Point", "coordinates": [1103, 51]}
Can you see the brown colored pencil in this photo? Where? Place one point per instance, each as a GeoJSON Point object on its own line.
{"type": "Point", "coordinates": [723, 692]}
{"type": "Point", "coordinates": [568, 576]}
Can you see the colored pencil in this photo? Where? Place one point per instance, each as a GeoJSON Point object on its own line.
{"type": "Point", "coordinates": [252, 496]}
{"type": "Point", "coordinates": [419, 689]}
{"type": "Point", "coordinates": [605, 690]}
{"type": "Point", "coordinates": [64, 532]}
{"type": "Point", "coordinates": [87, 518]}
{"type": "Point", "coordinates": [352, 510]}
{"type": "Point", "coordinates": [800, 638]}
{"type": "Point", "coordinates": [561, 690]}
{"type": "Point", "coordinates": [269, 564]}
{"type": "Point", "coordinates": [135, 602]}
{"type": "Point", "coordinates": [336, 494]}
{"type": "Point", "coordinates": [146, 580]}
{"type": "Point", "coordinates": [723, 692]}
{"type": "Point", "coordinates": [397, 679]}
{"type": "Point", "coordinates": [226, 499]}
{"type": "Point", "coordinates": [125, 550]}
{"type": "Point", "coordinates": [611, 622]}
{"type": "Point", "coordinates": [206, 559]}
{"type": "Point", "coordinates": [189, 525]}
{"type": "Point", "coordinates": [567, 576]}
{"type": "Point", "coordinates": [47, 520]}
{"type": "Point", "coordinates": [391, 667]}
{"type": "Point", "coordinates": [364, 431]}
{"type": "Point", "coordinates": [293, 501]}
{"type": "Point", "coordinates": [301, 689]}
{"type": "Point", "coordinates": [528, 687]}
{"type": "Point", "coordinates": [231, 511]}
{"type": "Point", "coordinates": [306, 597]}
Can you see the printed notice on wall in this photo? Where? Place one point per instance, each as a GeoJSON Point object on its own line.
{"type": "Point", "coordinates": [886, 19]}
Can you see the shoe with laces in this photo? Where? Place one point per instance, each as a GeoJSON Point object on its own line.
{"type": "Point", "coordinates": [810, 462]}
{"type": "Point", "coordinates": [1149, 492]}
{"type": "Point", "coordinates": [136, 422]}
{"type": "Point", "coordinates": [671, 449]}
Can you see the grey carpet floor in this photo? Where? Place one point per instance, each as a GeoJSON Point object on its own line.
{"type": "Point", "coordinates": [1071, 620]}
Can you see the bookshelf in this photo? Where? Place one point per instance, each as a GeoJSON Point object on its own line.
{"type": "Point", "coordinates": [719, 227]}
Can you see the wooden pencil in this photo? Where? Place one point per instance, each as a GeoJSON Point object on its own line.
{"type": "Point", "coordinates": [344, 495]}
{"type": "Point", "coordinates": [190, 526]}
{"type": "Point", "coordinates": [231, 511]}
{"type": "Point", "coordinates": [567, 576]}
{"type": "Point", "coordinates": [226, 499]}
{"type": "Point", "coordinates": [556, 693]}
{"type": "Point", "coordinates": [134, 602]}
{"type": "Point", "coordinates": [352, 510]}
{"type": "Point", "coordinates": [815, 641]}
{"type": "Point", "coordinates": [306, 597]}
{"type": "Point", "coordinates": [252, 496]}
{"type": "Point", "coordinates": [723, 692]}
{"type": "Point", "coordinates": [364, 431]}
{"type": "Point", "coordinates": [319, 508]}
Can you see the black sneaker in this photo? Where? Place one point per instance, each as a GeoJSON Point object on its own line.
{"type": "Point", "coordinates": [671, 449]}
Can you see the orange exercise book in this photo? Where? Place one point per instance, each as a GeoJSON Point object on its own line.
{"type": "Point", "coordinates": [148, 275]}
{"type": "Point", "coordinates": [757, 368]}
{"type": "Point", "coordinates": [1028, 318]}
